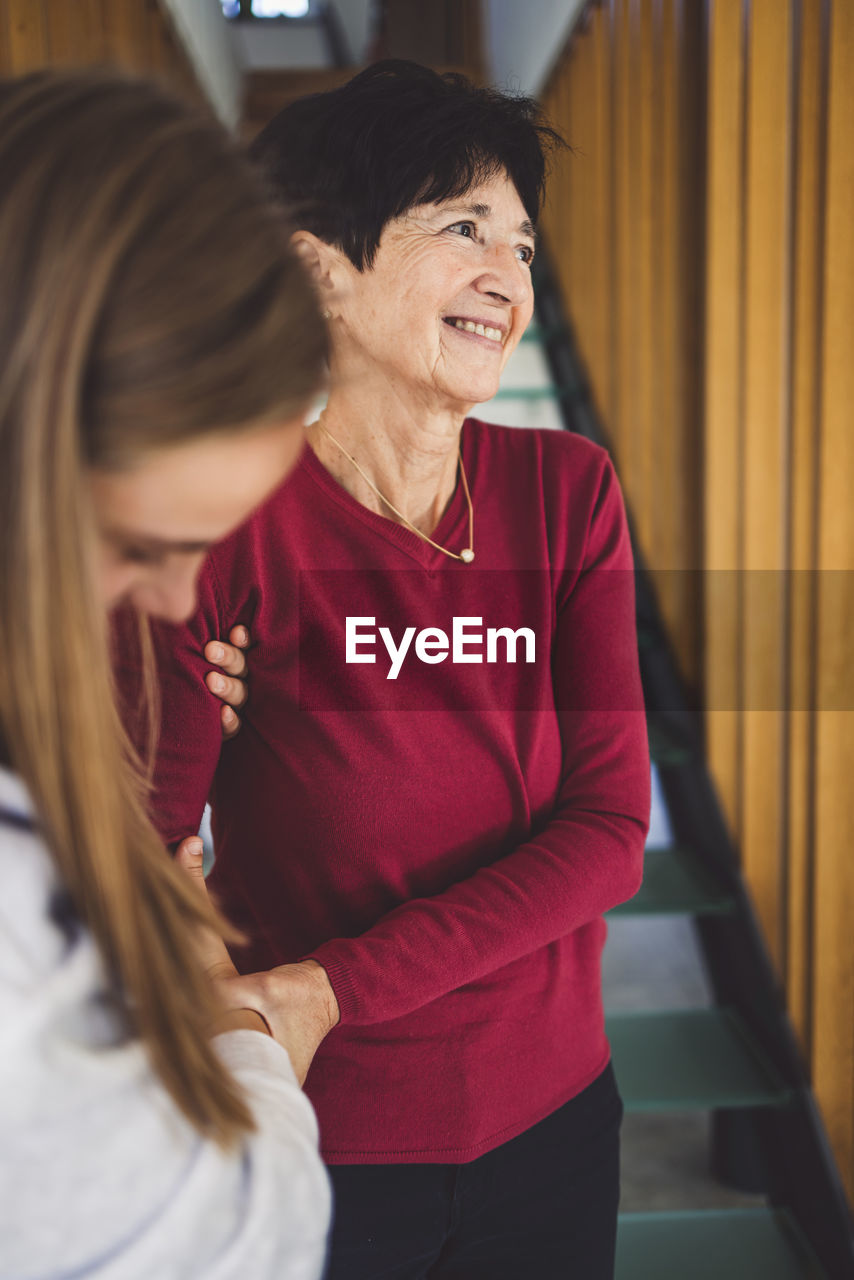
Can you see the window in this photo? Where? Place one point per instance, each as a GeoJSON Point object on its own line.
{"type": "Point", "coordinates": [266, 8]}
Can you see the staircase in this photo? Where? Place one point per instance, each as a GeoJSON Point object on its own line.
{"type": "Point", "coordinates": [736, 1058]}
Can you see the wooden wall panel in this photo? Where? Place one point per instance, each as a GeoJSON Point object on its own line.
{"type": "Point", "coordinates": [676, 435]}
{"type": "Point", "coordinates": [624, 233]}
{"type": "Point", "coordinates": [583, 170]}
{"type": "Point", "coordinates": [135, 34]}
{"type": "Point", "coordinates": [809, 203]}
{"type": "Point", "coordinates": [727, 394]}
{"type": "Point", "coordinates": [625, 257]}
{"type": "Point", "coordinates": [833, 990]}
{"type": "Point", "coordinates": [648, 252]}
{"type": "Point", "coordinates": [24, 46]}
{"type": "Point", "coordinates": [127, 33]}
{"type": "Point", "coordinates": [767, 318]}
{"type": "Point", "coordinates": [601, 258]}
{"type": "Point", "coordinates": [67, 42]}
{"type": "Point", "coordinates": [724, 389]}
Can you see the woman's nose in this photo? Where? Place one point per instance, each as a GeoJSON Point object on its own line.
{"type": "Point", "coordinates": [507, 276]}
{"type": "Point", "coordinates": [170, 594]}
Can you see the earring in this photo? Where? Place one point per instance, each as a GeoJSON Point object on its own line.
{"type": "Point", "coordinates": [327, 315]}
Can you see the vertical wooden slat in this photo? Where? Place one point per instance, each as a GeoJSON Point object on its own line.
{"type": "Point", "coordinates": [75, 32]}
{"type": "Point", "coordinates": [723, 399]}
{"type": "Point", "coordinates": [601, 248]}
{"type": "Point", "coordinates": [664, 482]}
{"type": "Point", "coordinates": [625, 259]}
{"type": "Point", "coordinates": [570, 108]}
{"type": "Point", "coordinates": [156, 41]}
{"type": "Point", "coordinates": [674, 471]}
{"type": "Point", "coordinates": [632, 250]}
{"type": "Point", "coordinates": [833, 1021]}
{"type": "Point", "coordinates": [615, 278]}
{"type": "Point", "coordinates": [66, 42]}
{"type": "Point", "coordinates": [93, 23]}
{"type": "Point", "coordinates": [646, 251]}
{"type": "Point", "coordinates": [766, 417]}
{"type": "Point", "coordinates": [691, 56]}
{"type": "Point", "coordinates": [25, 37]}
{"type": "Point", "coordinates": [564, 187]}
{"type": "Point", "coordinates": [806, 363]}
{"type": "Point", "coordinates": [126, 33]}
{"type": "Point", "coordinates": [583, 196]}
{"type": "Point", "coordinates": [132, 33]}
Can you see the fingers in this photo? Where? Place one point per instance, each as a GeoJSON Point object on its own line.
{"type": "Point", "coordinates": [239, 637]}
{"type": "Point", "coordinates": [212, 951]}
{"type": "Point", "coordinates": [229, 722]}
{"type": "Point", "coordinates": [190, 856]}
{"type": "Point", "coordinates": [228, 690]}
{"type": "Point", "coordinates": [229, 683]}
{"type": "Point", "coordinates": [230, 657]}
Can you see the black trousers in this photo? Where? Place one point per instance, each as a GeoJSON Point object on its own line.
{"type": "Point", "coordinates": [541, 1207]}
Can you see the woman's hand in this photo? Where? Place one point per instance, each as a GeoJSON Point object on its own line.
{"type": "Point", "coordinates": [296, 1001]}
{"type": "Point", "coordinates": [229, 683]}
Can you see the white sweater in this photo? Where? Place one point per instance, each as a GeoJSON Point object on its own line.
{"type": "Point", "coordinates": [100, 1175]}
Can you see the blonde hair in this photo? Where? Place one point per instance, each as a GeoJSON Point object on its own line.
{"type": "Point", "coordinates": [148, 296]}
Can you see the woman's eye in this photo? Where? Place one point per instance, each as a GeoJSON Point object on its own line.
{"type": "Point", "coordinates": [139, 555]}
{"type": "Point", "coordinates": [465, 229]}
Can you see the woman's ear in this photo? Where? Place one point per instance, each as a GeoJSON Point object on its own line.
{"type": "Point", "coordinates": [325, 264]}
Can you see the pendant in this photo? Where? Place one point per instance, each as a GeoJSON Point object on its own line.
{"type": "Point", "coordinates": [467, 555]}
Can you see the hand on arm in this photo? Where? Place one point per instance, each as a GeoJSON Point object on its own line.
{"type": "Point", "coordinates": [229, 684]}
{"type": "Point", "coordinates": [293, 1002]}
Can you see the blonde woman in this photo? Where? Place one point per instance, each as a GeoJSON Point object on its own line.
{"type": "Point", "coordinates": [159, 347]}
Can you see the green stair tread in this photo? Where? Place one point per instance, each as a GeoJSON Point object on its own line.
{"type": "Point", "coordinates": [736, 1244]}
{"type": "Point", "coordinates": [675, 882]}
{"type": "Point", "coordinates": [687, 1058]}
{"type": "Point", "coordinates": [541, 333]}
{"type": "Point", "coordinates": [537, 393]}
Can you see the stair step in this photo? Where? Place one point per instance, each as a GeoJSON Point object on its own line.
{"type": "Point", "coordinates": [537, 393]}
{"type": "Point", "coordinates": [675, 882]}
{"type": "Point", "coordinates": [542, 333]}
{"type": "Point", "coordinates": [735, 1244]}
{"type": "Point", "coordinates": [690, 1058]}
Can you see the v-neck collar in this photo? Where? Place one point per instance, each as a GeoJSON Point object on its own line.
{"type": "Point", "coordinates": [451, 531]}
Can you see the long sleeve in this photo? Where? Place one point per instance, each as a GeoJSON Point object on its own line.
{"type": "Point", "coordinates": [190, 740]}
{"type": "Point", "coordinates": [587, 859]}
{"type": "Point", "coordinates": [446, 841]}
{"type": "Point", "coordinates": [100, 1174]}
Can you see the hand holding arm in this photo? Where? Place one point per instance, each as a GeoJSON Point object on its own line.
{"type": "Point", "coordinates": [293, 1002]}
{"type": "Point", "coordinates": [229, 684]}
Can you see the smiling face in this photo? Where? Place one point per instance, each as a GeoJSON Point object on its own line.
{"type": "Point", "coordinates": [446, 301]}
{"type": "Point", "coordinates": [156, 522]}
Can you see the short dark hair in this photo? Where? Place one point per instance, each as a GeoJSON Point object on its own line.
{"type": "Point", "coordinates": [347, 161]}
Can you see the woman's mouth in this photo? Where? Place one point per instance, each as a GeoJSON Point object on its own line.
{"type": "Point", "coordinates": [476, 328]}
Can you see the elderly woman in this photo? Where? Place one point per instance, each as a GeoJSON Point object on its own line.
{"type": "Point", "coordinates": [441, 782]}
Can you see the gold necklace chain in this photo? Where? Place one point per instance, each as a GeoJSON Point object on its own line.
{"type": "Point", "coordinates": [467, 554]}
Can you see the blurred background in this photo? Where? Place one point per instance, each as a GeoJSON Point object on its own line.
{"type": "Point", "coordinates": [696, 315]}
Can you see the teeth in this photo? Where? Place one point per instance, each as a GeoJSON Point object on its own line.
{"type": "Point", "coordinates": [484, 331]}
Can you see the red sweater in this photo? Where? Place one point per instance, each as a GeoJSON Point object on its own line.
{"type": "Point", "coordinates": [444, 842]}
